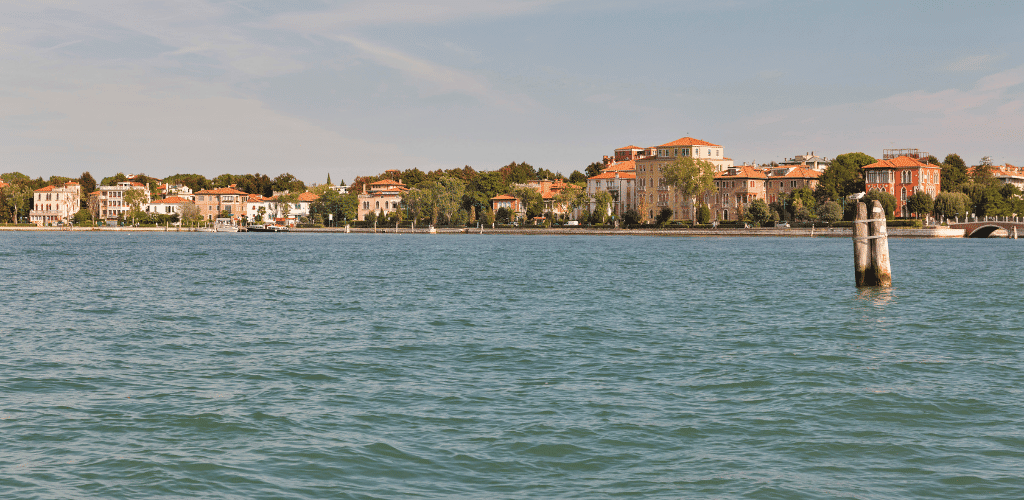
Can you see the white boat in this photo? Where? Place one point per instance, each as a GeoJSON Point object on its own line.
{"type": "Point", "coordinates": [225, 225]}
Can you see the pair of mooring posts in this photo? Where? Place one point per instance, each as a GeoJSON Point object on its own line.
{"type": "Point", "coordinates": [871, 247]}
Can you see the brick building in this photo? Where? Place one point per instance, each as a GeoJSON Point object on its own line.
{"type": "Point", "coordinates": [212, 202]}
{"type": "Point", "coordinates": [384, 195]}
{"type": "Point", "coordinates": [901, 177]}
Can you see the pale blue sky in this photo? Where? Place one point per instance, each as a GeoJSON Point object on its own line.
{"type": "Point", "coordinates": [356, 87]}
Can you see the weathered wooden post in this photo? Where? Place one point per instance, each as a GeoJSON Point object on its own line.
{"type": "Point", "coordinates": [861, 248]}
{"type": "Point", "coordinates": [879, 246]}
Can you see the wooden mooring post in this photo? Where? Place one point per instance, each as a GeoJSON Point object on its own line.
{"type": "Point", "coordinates": [871, 247]}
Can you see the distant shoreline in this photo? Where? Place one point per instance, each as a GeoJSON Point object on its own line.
{"type": "Point", "coordinates": [838, 232]}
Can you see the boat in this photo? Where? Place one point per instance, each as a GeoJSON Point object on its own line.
{"type": "Point", "coordinates": [225, 225]}
{"type": "Point", "coordinates": [268, 228]}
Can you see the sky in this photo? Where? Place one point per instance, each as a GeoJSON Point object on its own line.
{"type": "Point", "coordinates": [350, 88]}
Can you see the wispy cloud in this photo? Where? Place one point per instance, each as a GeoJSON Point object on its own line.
{"type": "Point", "coordinates": [371, 12]}
{"type": "Point", "coordinates": [978, 62]}
{"type": "Point", "coordinates": [971, 122]}
{"type": "Point", "coordinates": [437, 77]}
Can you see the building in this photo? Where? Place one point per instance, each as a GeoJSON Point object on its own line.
{"type": "Point", "coordinates": [109, 202]}
{"type": "Point", "coordinates": [55, 204]}
{"type": "Point", "coordinates": [1008, 174]}
{"type": "Point", "coordinates": [548, 189]}
{"type": "Point", "coordinates": [809, 160]}
{"type": "Point", "coordinates": [291, 213]}
{"type": "Point", "coordinates": [651, 190]}
{"type": "Point", "coordinates": [901, 177]}
{"type": "Point", "coordinates": [619, 180]}
{"type": "Point", "coordinates": [212, 202]}
{"type": "Point", "coordinates": [172, 205]}
{"type": "Point", "coordinates": [180, 190]}
{"type": "Point", "coordinates": [508, 202]}
{"type": "Point", "coordinates": [783, 180]}
{"type": "Point", "coordinates": [738, 187]}
{"type": "Point", "coordinates": [381, 196]}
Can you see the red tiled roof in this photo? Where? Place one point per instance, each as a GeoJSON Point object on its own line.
{"type": "Point", "coordinates": [899, 162]}
{"type": "Point", "coordinates": [503, 197]}
{"type": "Point", "coordinates": [628, 147]}
{"type": "Point", "coordinates": [614, 175]}
{"type": "Point", "coordinates": [45, 189]}
{"type": "Point", "coordinates": [307, 196]}
{"type": "Point", "coordinates": [803, 173]}
{"type": "Point", "coordinates": [171, 200]}
{"type": "Point", "coordinates": [688, 141]}
{"type": "Point", "coordinates": [621, 165]}
{"type": "Point", "coordinates": [742, 172]}
{"type": "Point", "coordinates": [221, 191]}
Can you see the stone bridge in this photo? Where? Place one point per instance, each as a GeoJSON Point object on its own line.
{"type": "Point", "coordinates": [983, 228]}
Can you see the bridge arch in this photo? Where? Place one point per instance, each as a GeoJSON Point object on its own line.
{"type": "Point", "coordinates": [985, 231]}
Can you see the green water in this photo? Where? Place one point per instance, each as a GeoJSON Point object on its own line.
{"type": "Point", "coordinates": [206, 365]}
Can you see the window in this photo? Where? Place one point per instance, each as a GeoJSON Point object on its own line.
{"type": "Point", "coordinates": [905, 177]}
{"type": "Point", "coordinates": [709, 152]}
{"type": "Point", "coordinates": [903, 194]}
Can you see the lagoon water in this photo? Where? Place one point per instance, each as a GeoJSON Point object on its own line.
{"type": "Point", "coordinates": [183, 365]}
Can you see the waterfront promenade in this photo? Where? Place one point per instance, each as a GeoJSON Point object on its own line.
{"type": "Point", "coordinates": [895, 232]}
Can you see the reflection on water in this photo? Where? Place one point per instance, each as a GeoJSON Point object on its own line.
{"type": "Point", "coordinates": [875, 295]}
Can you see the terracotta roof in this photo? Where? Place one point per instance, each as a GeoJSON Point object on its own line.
{"type": "Point", "coordinates": [386, 182]}
{"type": "Point", "coordinates": [45, 189]}
{"type": "Point", "coordinates": [615, 175]}
{"type": "Point", "coordinates": [171, 200]}
{"type": "Point", "coordinates": [221, 191]}
{"type": "Point", "coordinates": [503, 197]}
{"type": "Point", "coordinates": [688, 141]}
{"type": "Point", "coordinates": [899, 162]}
{"type": "Point", "coordinates": [307, 196]}
{"type": "Point", "coordinates": [803, 173]}
{"type": "Point", "coordinates": [621, 165]}
{"type": "Point", "coordinates": [742, 172]}
{"type": "Point", "coordinates": [628, 147]}
{"type": "Point", "coordinates": [138, 184]}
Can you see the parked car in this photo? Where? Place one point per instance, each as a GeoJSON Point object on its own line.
{"type": "Point", "coordinates": [781, 223]}
{"type": "Point", "coordinates": [572, 223]}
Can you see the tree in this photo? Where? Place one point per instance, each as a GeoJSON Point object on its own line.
{"type": "Point", "coordinates": [983, 174]}
{"type": "Point", "coordinates": [135, 198]}
{"type": "Point", "coordinates": [518, 173]}
{"type": "Point", "coordinates": [594, 169]}
{"type": "Point", "coordinates": [664, 216]}
{"type": "Point", "coordinates": [920, 204]}
{"type": "Point", "coordinates": [704, 214]}
{"type": "Point", "coordinates": [112, 181]}
{"type": "Point", "coordinates": [190, 213]}
{"type": "Point", "coordinates": [830, 211]}
{"type": "Point", "coordinates": [288, 182]}
{"type": "Point", "coordinates": [602, 206]}
{"type": "Point", "coordinates": [15, 200]}
{"type": "Point", "coordinates": [285, 202]}
{"type": "Point", "coordinates": [577, 178]}
{"type": "Point", "coordinates": [631, 217]}
{"type": "Point", "coordinates": [954, 172]}
{"type": "Point", "coordinates": [951, 204]}
{"type": "Point", "coordinates": [418, 202]}
{"type": "Point", "coordinates": [88, 184]}
{"type": "Point", "coordinates": [530, 201]}
{"type": "Point", "coordinates": [504, 216]}
{"type": "Point", "coordinates": [801, 203]}
{"type": "Point", "coordinates": [887, 200]}
{"type": "Point", "coordinates": [82, 216]}
{"type": "Point", "coordinates": [571, 198]}
{"type": "Point", "coordinates": [197, 182]}
{"type": "Point", "coordinates": [445, 197]}
{"type": "Point", "coordinates": [843, 177]}
{"type": "Point", "coordinates": [691, 177]}
{"type": "Point", "coordinates": [758, 212]}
